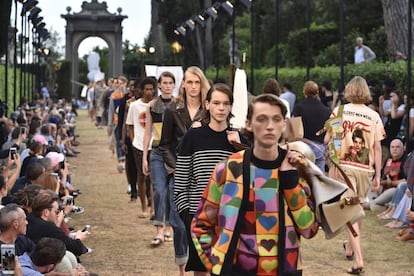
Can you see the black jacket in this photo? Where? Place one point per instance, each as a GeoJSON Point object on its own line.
{"type": "Point", "coordinates": [176, 123]}
{"type": "Point", "coordinates": [39, 228]}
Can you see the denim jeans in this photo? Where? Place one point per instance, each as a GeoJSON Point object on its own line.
{"type": "Point", "coordinates": [319, 151]}
{"type": "Point", "coordinates": [180, 238]}
{"type": "Point", "coordinates": [118, 148]}
{"type": "Point", "coordinates": [161, 189]}
{"type": "Point", "coordinates": [399, 193]}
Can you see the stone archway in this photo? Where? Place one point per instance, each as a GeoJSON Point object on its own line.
{"type": "Point", "coordinates": [94, 20]}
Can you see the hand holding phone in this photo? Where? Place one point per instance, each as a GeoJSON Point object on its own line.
{"type": "Point", "coordinates": [7, 258]}
{"type": "Point", "coordinates": [69, 200]}
{"type": "Point", "coordinates": [13, 152]}
{"type": "Point", "coordinates": [86, 228]}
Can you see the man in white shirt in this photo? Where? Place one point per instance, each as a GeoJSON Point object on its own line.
{"type": "Point", "coordinates": [362, 52]}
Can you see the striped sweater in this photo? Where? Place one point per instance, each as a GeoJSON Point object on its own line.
{"type": "Point", "coordinates": [199, 151]}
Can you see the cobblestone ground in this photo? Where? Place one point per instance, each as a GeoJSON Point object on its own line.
{"type": "Point", "coordinates": [121, 241]}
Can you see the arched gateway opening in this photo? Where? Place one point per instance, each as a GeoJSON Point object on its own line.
{"type": "Point", "coordinates": [94, 20]}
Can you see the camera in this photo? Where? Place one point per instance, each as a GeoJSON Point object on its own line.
{"type": "Point", "coordinates": [13, 152]}
{"type": "Point", "coordinates": [22, 130]}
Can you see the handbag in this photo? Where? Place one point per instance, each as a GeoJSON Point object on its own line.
{"type": "Point", "coordinates": [337, 205]}
{"type": "Point", "coordinates": [294, 129]}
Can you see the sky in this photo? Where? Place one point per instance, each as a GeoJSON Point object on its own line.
{"type": "Point", "coordinates": [135, 28]}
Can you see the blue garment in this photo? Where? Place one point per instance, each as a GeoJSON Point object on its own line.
{"type": "Point", "coordinates": [180, 238]}
{"type": "Point", "coordinates": [160, 183]}
{"type": "Point", "coordinates": [28, 268]}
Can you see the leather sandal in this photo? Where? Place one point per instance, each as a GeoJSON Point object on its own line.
{"type": "Point", "coordinates": [157, 241]}
{"type": "Point", "coordinates": [348, 257]}
{"type": "Point", "coordinates": [355, 271]}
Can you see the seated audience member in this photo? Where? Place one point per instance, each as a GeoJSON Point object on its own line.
{"type": "Point", "coordinates": [399, 215]}
{"type": "Point", "coordinates": [12, 170]}
{"type": "Point", "coordinates": [47, 253]}
{"type": "Point", "coordinates": [24, 197]}
{"type": "Point", "coordinates": [392, 175]}
{"type": "Point", "coordinates": [13, 226]}
{"type": "Point", "coordinates": [36, 152]}
{"type": "Point", "coordinates": [33, 172]}
{"type": "Point", "coordinates": [36, 138]}
{"type": "Point", "coordinates": [16, 139]}
{"type": "Point", "coordinates": [396, 198]}
{"type": "Point", "coordinates": [43, 219]}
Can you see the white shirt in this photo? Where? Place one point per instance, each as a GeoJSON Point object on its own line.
{"type": "Point", "coordinates": [136, 118]}
{"type": "Point", "coordinates": [359, 55]}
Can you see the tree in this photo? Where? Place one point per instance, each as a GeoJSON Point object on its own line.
{"type": "Point", "coordinates": [396, 25]}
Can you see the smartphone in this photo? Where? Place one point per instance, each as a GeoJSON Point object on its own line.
{"type": "Point", "coordinates": [86, 228]}
{"type": "Point", "coordinates": [13, 152]}
{"type": "Point", "coordinates": [22, 130]}
{"type": "Point", "coordinates": [7, 258]}
{"type": "Point", "coordinates": [62, 165]}
{"type": "Point", "coordinates": [69, 200]}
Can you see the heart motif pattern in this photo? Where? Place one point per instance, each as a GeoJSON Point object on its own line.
{"type": "Point", "coordinates": [267, 222]}
{"type": "Point", "coordinates": [224, 237]}
{"type": "Point", "coordinates": [267, 244]}
{"type": "Point", "coordinates": [291, 259]}
{"type": "Point", "coordinates": [235, 168]}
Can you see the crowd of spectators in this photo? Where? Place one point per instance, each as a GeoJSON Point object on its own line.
{"type": "Point", "coordinates": [36, 188]}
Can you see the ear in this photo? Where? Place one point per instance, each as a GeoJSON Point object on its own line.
{"type": "Point", "coordinates": [248, 126]}
{"type": "Point", "coordinates": [207, 105]}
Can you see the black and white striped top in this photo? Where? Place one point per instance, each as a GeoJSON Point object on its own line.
{"type": "Point", "coordinates": [199, 152]}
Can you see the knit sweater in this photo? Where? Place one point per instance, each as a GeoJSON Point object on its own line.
{"type": "Point", "coordinates": [258, 245]}
{"type": "Point", "coordinates": [200, 150]}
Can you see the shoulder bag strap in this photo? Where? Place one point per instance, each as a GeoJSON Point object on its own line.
{"type": "Point", "coordinates": [228, 259]}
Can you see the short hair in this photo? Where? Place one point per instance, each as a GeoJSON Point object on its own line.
{"type": "Point", "coordinates": [48, 251]}
{"type": "Point", "coordinates": [123, 79]}
{"type": "Point", "coordinates": [357, 91]}
{"type": "Point", "coordinates": [271, 86]}
{"type": "Point", "coordinates": [359, 39]}
{"type": "Point", "coordinates": [166, 74]}
{"type": "Point", "coordinates": [266, 98]}
{"type": "Point", "coordinates": [358, 134]}
{"type": "Point", "coordinates": [45, 129]}
{"type": "Point", "coordinates": [42, 201]}
{"type": "Point", "coordinates": [223, 88]}
{"type": "Point", "coordinates": [146, 81]}
{"type": "Point", "coordinates": [327, 84]}
{"type": "Point", "coordinates": [34, 169]}
{"type": "Point", "coordinates": [310, 89]}
{"type": "Point", "coordinates": [287, 86]}
{"type": "Point", "coordinates": [8, 214]}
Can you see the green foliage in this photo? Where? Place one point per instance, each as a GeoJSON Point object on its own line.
{"type": "Point", "coordinates": [374, 73]}
{"type": "Point", "coordinates": [63, 79]}
{"type": "Point", "coordinates": [10, 87]}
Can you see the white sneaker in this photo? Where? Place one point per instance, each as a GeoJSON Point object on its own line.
{"type": "Point", "coordinates": [129, 189]}
{"type": "Point", "coordinates": [77, 210]}
{"type": "Point", "coordinates": [121, 167]}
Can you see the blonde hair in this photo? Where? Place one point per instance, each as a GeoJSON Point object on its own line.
{"type": "Point", "coordinates": [357, 91]}
{"type": "Point", "coordinates": [204, 84]}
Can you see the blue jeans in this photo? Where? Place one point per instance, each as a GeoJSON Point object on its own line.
{"type": "Point", "coordinates": [180, 238]}
{"type": "Point", "coordinates": [399, 193]}
{"type": "Point", "coordinates": [161, 189]}
{"type": "Point", "coordinates": [319, 152]}
{"type": "Point", "coordinates": [118, 147]}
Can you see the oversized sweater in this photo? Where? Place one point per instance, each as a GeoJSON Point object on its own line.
{"type": "Point", "coordinates": [200, 150]}
{"type": "Point", "coordinates": [258, 246]}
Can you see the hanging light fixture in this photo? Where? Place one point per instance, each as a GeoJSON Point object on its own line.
{"type": "Point", "coordinates": [228, 7]}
